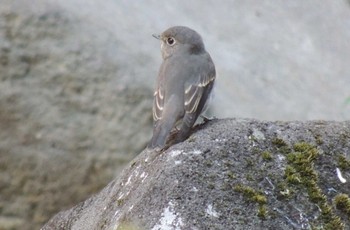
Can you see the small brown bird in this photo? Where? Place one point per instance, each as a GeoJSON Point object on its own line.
{"type": "Point", "coordinates": [185, 81]}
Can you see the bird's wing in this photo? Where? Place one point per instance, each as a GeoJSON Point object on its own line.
{"type": "Point", "coordinates": [196, 93]}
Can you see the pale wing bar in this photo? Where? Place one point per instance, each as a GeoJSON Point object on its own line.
{"type": "Point", "coordinates": [193, 93]}
{"type": "Point", "coordinates": [158, 105]}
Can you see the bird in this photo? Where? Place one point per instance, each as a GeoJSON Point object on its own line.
{"type": "Point", "coordinates": [185, 81]}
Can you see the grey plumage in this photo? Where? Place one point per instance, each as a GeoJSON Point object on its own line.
{"type": "Point", "coordinates": [185, 80]}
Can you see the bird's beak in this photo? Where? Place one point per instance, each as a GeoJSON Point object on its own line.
{"type": "Point", "coordinates": [157, 36]}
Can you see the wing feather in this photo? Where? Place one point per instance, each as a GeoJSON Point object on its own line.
{"type": "Point", "coordinates": [194, 93]}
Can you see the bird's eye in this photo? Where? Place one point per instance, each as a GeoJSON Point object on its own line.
{"type": "Point", "coordinates": [170, 41]}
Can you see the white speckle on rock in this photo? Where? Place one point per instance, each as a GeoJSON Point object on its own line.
{"type": "Point", "coordinates": [129, 179]}
{"type": "Point", "coordinates": [175, 153]}
{"type": "Point", "coordinates": [196, 152]}
{"type": "Point", "coordinates": [280, 161]}
{"type": "Point", "coordinates": [135, 173]}
{"type": "Point", "coordinates": [116, 212]}
{"type": "Point", "coordinates": [258, 134]}
{"type": "Point", "coordinates": [220, 140]}
{"type": "Point", "coordinates": [121, 196]}
{"type": "Point", "coordinates": [178, 162]}
{"type": "Point", "coordinates": [281, 157]}
{"type": "Point", "coordinates": [194, 189]}
{"type": "Point", "coordinates": [143, 176]}
{"type": "Point", "coordinates": [340, 176]}
{"type": "Point", "coordinates": [170, 220]}
{"type": "Point", "coordinates": [211, 211]}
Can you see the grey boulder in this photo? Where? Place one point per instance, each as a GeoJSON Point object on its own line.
{"type": "Point", "coordinates": [230, 174]}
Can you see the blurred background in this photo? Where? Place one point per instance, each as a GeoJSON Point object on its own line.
{"type": "Point", "coordinates": [77, 79]}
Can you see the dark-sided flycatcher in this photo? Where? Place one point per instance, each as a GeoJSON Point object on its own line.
{"type": "Point", "coordinates": [185, 81]}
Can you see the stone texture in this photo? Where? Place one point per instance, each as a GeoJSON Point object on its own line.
{"type": "Point", "coordinates": [68, 120]}
{"type": "Point", "coordinates": [193, 185]}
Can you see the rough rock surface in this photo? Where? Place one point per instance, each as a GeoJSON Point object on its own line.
{"type": "Point", "coordinates": [244, 174]}
{"type": "Point", "coordinates": [68, 119]}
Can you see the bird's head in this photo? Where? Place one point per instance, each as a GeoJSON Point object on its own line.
{"type": "Point", "coordinates": [180, 39]}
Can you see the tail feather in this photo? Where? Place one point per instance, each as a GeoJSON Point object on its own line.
{"type": "Point", "coordinates": [172, 111]}
{"type": "Point", "coordinates": [161, 132]}
{"type": "Point", "coordinates": [160, 135]}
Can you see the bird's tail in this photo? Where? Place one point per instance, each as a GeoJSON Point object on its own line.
{"type": "Point", "coordinates": [160, 136]}
{"type": "Point", "coordinates": [166, 123]}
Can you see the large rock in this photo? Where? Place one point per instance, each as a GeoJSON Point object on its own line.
{"type": "Point", "coordinates": [69, 120]}
{"type": "Point", "coordinates": [230, 174]}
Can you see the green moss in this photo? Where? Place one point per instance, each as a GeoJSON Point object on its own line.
{"type": "Point", "coordinates": [310, 151]}
{"type": "Point", "coordinates": [286, 193]}
{"type": "Point", "coordinates": [316, 195]}
{"type": "Point", "coordinates": [281, 145]}
{"type": "Point", "coordinates": [301, 162]}
{"type": "Point", "coordinates": [250, 162]}
{"type": "Point", "coordinates": [260, 199]}
{"type": "Point", "coordinates": [266, 155]}
{"type": "Point", "coordinates": [249, 177]}
{"type": "Point", "coordinates": [342, 202]}
{"type": "Point", "coordinates": [291, 175]}
{"type": "Point", "coordinates": [127, 226]}
{"type": "Point", "coordinates": [251, 194]}
{"type": "Point", "coordinates": [333, 224]}
{"type": "Point", "coordinates": [284, 190]}
{"type": "Point", "coordinates": [254, 196]}
{"type": "Point", "coordinates": [245, 190]}
{"type": "Point", "coordinates": [208, 163]}
{"type": "Point", "coordinates": [330, 219]}
{"type": "Point", "coordinates": [231, 175]}
{"type": "Point", "coordinates": [262, 212]}
{"type": "Point", "coordinates": [300, 171]}
{"type": "Point", "coordinates": [343, 163]}
{"type": "Point", "coordinates": [318, 139]}
{"type": "Point", "coordinates": [344, 138]}
{"type": "Point", "coordinates": [211, 186]}
{"type": "Point", "coordinates": [279, 142]}
{"type": "Point", "coordinates": [120, 201]}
